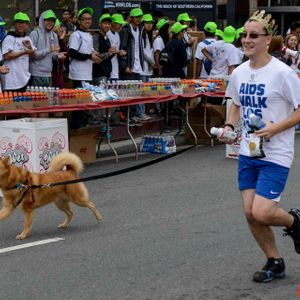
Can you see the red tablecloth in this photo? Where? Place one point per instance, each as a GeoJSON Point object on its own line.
{"type": "Point", "coordinates": [109, 104]}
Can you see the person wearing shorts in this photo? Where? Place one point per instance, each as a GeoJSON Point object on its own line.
{"type": "Point", "coordinates": [268, 88]}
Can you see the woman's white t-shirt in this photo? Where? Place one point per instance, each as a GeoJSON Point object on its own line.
{"type": "Point", "coordinates": [114, 39]}
{"type": "Point", "coordinates": [148, 52]}
{"type": "Point", "coordinates": [83, 43]}
{"type": "Point", "coordinates": [158, 44]}
{"type": "Point", "coordinates": [18, 75]}
{"type": "Point", "coordinates": [271, 92]}
{"type": "Point", "coordinates": [224, 55]}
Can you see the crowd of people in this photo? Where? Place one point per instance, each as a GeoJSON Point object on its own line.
{"type": "Point", "coordinates": [121, 50]}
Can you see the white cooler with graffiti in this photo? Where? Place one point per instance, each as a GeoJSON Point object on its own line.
{"type": "Point", "coordinates": [33, 142]}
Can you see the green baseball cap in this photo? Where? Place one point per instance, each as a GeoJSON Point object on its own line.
{"type": "Point", "coordinates": [105, 17]}
{"type": "Point", "coordinates": [177, 27]}
{"type": "Point", "coordinates": [136, 12]}
{"type": "Point", "coordinates": [147, 18]}
{"type": "Point", "coordinates": [118, 18]}
{"type": "Point", "coordinates": [20, 16]}
{"type": "Point", "coordinates": [219, 33]}
{"type": "Point", "coordinates": [57, 23]}
{"type": "Point", "coordinates": [49, 14]}
{"type": "Point", "coordinates": [184, 17]}
{"type": "Point", "coordinates": [238, 32]}
{"type": "Point", "coordinates": [210, 27]}
{"type": "Point", "coordinates": [229, 34]}
{"type": "Point", "coordinates": [88, 10]}
{"type": "Point", "coordinates": [161, 23]}
{"type": "Point", "coordinates": [2, 23]}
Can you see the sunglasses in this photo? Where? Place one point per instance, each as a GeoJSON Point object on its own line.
{"type": "Point", "coordinates": [252, 35]}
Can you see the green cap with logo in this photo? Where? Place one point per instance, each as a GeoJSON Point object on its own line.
{"type": "Point", "coordinates": [20, 16]}
{"type": "Point", "coordinates": [88, 10]}
{"type": "Point", "coordinates": [148, 18]}
{"type": "Point", "coordinates": [136, 12]}
{"type": "Point", "coordinates": [105, 18]}
{"type": "Point", "coordinates": [210, 27]}
{"type": "Point", "coordinates": [177, 27]}
{"type": "Point", "coordinates": [238, 32]}
{"type": "Point", "coordinates": [2, 23]}
{"type": "Point", "coordinates": [118, 18]}
{"type": "Point", "coordinates": [49, 14]}
{"type": "Point", "coordinates": [184, 17]}
{"type": "Point", "coordinates": [161, 23]}
{"type": "Point", "coordinates": [229, 34]}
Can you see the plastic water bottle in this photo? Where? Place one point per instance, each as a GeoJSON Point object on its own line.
{"type": "Point", "coordinates": [256, 122]}
{"type": "Point", "coordinates": [222, 133]}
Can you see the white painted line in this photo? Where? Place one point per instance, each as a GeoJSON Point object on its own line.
{"type": "Point", "coordinates": [27, 245]}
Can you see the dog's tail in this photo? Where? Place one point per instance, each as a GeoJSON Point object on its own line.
{"type": "Point", "coordinates": [67, 160]}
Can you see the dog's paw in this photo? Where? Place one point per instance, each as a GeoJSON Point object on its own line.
{"type": "Point", "coordinates": [62, 226]}
{"type": "Point", "coordinates": [21, 236]}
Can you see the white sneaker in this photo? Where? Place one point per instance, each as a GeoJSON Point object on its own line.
{"type": "Point", "coordinates": [144, 117]}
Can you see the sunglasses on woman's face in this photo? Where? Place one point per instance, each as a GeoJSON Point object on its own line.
{"type": "Point", "coordinates": [252, 35]}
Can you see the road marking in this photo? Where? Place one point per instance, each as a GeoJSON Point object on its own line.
{"type": "Point", "coordinates": [27, 245]}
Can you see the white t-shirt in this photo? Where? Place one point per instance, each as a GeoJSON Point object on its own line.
{"type": "Point", "coordinates": [18, 75]}
{"type": "Point", "coordinates": [137, 68]}
{"type": "Point", "coordinates": [114, 39]}
{"type": "Point", "coordinates": [148, 54]}
{"type": "Point", "coordinates": [83, 43]}
{"type": "Point", "coordinates": [271, 92]}
{"type": "Point", "coordinates": [224, 55]}
{"type": "Point", "coordinates": [158, 44]}
{"type": "Point", "coordinates": [199, 55]}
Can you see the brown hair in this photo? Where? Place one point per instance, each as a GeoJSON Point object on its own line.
{"type": "Point", "coordinates": [276, 43]}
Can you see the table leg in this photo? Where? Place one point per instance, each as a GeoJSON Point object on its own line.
{"type": "Point", "coordinates": [108, 135]}
{"type": "Point", "coordinates": [188, 123]}
{"type": "Point", "coordinates": [130, 135]}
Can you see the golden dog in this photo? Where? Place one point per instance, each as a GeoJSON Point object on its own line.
{"type": "Point", "coordinates": [65, 166]}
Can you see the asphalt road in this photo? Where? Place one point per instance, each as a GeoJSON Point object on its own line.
{"type": "Point", "coordinates": [174, 230]}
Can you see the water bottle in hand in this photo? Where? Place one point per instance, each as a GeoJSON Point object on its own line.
{"type": "Point", "coordinates": [223, 134]}
{"type": "Point", "coordinates": [256, 122]}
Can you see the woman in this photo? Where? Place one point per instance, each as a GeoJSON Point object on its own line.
{"type": "Point", "coordinates": [160, 42]}
{"type": "Point", "coordinates": [147, 44]}
{"type": "Point", "coordinates": [293, 59]}
{"type": "Point", "coordinates": [265, 86]}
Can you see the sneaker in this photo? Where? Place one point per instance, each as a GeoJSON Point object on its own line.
{"type": "Point", "coordinates": [274, 268]}
{"type": "Point", "coordinates": [294, 230]}
{"type": "Point", "coordinates": [142, 117]}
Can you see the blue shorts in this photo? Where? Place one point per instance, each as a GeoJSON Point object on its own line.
{"type": "Point", "coordinates": [266, 178]}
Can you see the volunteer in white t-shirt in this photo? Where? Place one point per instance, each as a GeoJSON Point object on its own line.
{"type": "Point", "coordinates": [114, 38]}
{"type": "Point", "coordinates": [223, 54]}
{"type": "Point", "coordinates": [81, 51]}
{"type": "Point", "coordinates": [201, 67]}
{"type": "Point", "coordinates": [268, 88]}
{"type": "Point", "coordinates": [16, 49]}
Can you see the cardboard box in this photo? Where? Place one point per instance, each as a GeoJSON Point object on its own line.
{"type": "Point", "coordinates": [83, 143]}
{"type": "Point", "coordinates": [33, 142]}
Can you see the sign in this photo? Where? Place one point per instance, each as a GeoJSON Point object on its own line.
{"type": "Point", "coordinates": [183, 5]}
{"type": "Point", "coordinates": [121, 4]}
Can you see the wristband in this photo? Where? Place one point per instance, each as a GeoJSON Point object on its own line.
{"type": "Point", "coordinates": [229, 125]}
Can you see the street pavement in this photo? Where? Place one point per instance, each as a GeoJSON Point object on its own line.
{"type": "Point", "coordinates": [174, 230]}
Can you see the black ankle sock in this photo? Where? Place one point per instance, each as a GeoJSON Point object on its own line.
{"type": "Point", "coordinates": [294, 225]}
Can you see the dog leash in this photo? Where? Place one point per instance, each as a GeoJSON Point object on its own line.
{"type": "Point", "coordinates": [106, 175]}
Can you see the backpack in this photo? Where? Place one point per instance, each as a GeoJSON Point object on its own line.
{"type": "Point", "coordinates": [207, 63]}
{"type": "Point", "coordinates": [166, 56]}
